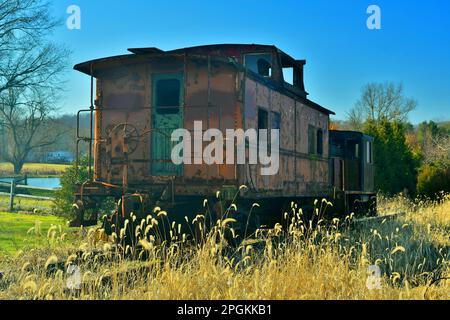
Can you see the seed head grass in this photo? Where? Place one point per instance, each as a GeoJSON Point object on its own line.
{"type": "Point", "coordinates": [403, 258]}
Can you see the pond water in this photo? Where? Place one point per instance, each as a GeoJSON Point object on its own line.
{"type": "Point", "coordinates": [51, 183]}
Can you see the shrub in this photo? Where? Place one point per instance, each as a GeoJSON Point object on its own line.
{"type": "Point", "coordinates": [69, 180]}
{"type": "Point", "coordinates": [433, 180]}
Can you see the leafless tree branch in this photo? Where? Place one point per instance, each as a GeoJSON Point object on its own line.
{"type": "Point", "coordinates": [31, 71]}
{"type": "Point", "coordinates": [381, 101]}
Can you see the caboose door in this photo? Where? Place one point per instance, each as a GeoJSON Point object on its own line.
{"type": "Point", "coordinates": [167, 116]}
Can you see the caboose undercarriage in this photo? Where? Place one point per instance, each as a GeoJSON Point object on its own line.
{"type": "Point", "coordinates": [183, 209]}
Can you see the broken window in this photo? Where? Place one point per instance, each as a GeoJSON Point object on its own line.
{"type": "Point", "coordinates": [264, 68]}
{"type": "Point", "coordinates": [167, 96]}
{"type": "Point", "coordinates": [293, 71]}
{"type": "Point", "coordinates": [260, 63]}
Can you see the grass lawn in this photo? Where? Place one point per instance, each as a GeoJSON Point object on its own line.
{"type": "Point", "coordinates": [27, 204]}
{"type": "Point", "coordinates": [34, 169]}
{"type": "Point", "coordinates": [14, 229]}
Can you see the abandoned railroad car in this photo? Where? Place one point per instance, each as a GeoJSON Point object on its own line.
{"type": "Point", "coordinates": [142, 97]}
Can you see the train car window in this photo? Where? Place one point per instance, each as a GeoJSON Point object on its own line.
{"type": "Point", "coordinates": [356, 154]}
{"type": "Point", "coordinates": [263, 119]}
{"type": "Point", "coordinates": [311, 140]}
{"type": "Point", "coordinates": [276, 121]}
{"type": "Point", "coordinates": [259, 63]}
{"type": "Point", "coordinates": [264, 68]}
{"type": "Point", "coordinates": [167, 96]}
{"type": "Point", "coordinates": [320, 142]}
{"type": "Point", "coordinates": [353, 149]}
{"type": "Point", "coordinates": [369, 152]}
{"type": "Point", "coordinates": [336, 148]}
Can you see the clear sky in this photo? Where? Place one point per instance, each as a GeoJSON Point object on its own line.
{"type": "Point", "coordinates": [413, 46]}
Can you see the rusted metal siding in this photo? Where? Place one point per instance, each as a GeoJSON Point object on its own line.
{"type": "Point", "coordinates": [122, 97]}
{"type": "Point", "coordinates": [221, 95]}
{"type": "Point", "coordinates": [210, 98]}
{"type": "Point", "coordinates": [300, 173]}
{"type": "Point", "coordinates": [125, 96]}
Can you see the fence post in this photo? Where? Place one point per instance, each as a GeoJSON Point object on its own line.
{"type": "Point", "coordinates": [11, 195]}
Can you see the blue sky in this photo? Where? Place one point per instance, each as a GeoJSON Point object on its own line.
{"type": "Point", "coordinates": [413, 46]}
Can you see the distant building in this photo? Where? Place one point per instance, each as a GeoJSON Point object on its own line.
{"type": "Point", "coordinates": [59, 157]}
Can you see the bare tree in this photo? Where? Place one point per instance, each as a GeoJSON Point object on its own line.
{"type": "Point", "coordinates": [31, 69]}
{"type": "Point", "coordinates": [381, 101]}
{"type": "Point", "coordinates": [26, 58]}
{"type": "Point", "coordinates": [436, 149]}
{"type": "Point", "coordinates": [28, 123]}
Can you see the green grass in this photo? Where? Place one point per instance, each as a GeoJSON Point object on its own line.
{"type": "Point", "coordinates": [34, 169]}
{"type": "Point", "coordinates": [26, 204]}
{"type": "Point", "coordinates": [14, 235]}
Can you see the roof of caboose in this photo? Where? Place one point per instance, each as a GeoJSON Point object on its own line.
{"type": "Point", "coordinates": [219, 50]}
{"type": "Point", "coordinates": [349, 135]}
{"type": "Point", "coordinates": [231, 50]}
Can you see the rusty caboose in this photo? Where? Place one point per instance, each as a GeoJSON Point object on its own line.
{"type": "Point", "coordinates": [141, 97]}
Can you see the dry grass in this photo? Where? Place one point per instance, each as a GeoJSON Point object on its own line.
{"type": "Point", "coordinates": [34, 169]}
{"type": "Point", "coordinates": [428, 217]}
{"type": "Point", "coordinates": [318, 261]}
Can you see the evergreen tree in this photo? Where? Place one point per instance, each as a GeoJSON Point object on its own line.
{"type": "Point", "coordinates": [396, 165]}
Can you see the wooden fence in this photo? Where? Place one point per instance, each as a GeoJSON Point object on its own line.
{"type": "Point", "coordinates": [14, 188]}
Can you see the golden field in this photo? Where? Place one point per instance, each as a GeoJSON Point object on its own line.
{"type": "Point", "coordinates": [34, 169]}
{"type": "Point", "coordinates": [335, 260]}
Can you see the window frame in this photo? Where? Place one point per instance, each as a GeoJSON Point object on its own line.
{"type": "Point", "coordinates": [167, 109]}
{"type": "Point", "coordinates": [260, 111]}
{"type": "Point", "coordinates": [256, 63]}
{"type": "Point", "coordinates": [319, 142]}
{"type": "Point", "coordinates": [312, 144]}
{"type": "Point", "coordinates": [275, 115]}
{"type": "Point", "coordinates": [369, 152]}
